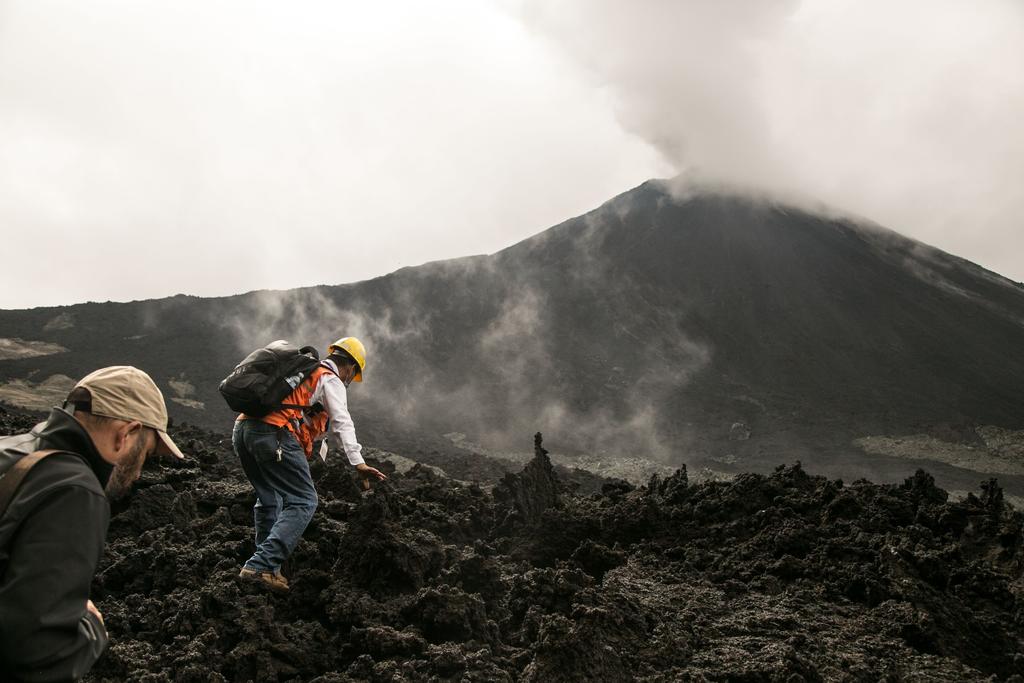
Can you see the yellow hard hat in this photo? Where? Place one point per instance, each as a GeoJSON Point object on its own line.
{"type": "Point", "coordinates": [354, 348]}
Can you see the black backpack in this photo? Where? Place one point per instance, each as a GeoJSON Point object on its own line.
{"type": "Point", "coordinates": [266, 376]}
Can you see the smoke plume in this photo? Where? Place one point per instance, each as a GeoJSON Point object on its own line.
{"type": "Point", "coordinates": [906, 112]}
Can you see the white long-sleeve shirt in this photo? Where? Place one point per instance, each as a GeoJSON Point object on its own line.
{"type": "Point", "coordinates": [333, 395]}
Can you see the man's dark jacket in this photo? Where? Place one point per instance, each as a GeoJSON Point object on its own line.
{"type": "Point", "coordinates": [51, 539]}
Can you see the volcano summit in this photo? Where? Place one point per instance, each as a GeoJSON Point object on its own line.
{"type": "Point", "coordinates": [716, 329]}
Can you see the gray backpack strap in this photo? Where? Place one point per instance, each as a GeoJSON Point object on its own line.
{"type": "Point", "coordinates": [12, 478]}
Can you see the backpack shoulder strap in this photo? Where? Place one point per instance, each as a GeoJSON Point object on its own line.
{"type": "Point", "coordinates": [12, 478]}
{"type": "Point", "coordinates": [322, 369]}
{"type": "Point", "coordinates": [328, 367]}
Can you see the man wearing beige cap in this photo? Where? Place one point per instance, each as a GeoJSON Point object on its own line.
{"type": "Point", "coordinates": [54, 514]}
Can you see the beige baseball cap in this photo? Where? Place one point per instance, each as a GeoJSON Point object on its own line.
{"type": "Point", "coordinates": [126, 393]}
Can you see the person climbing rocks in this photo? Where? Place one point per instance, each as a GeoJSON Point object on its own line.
{"type": "Point", "coordinates": [54, 512]}
{"type": "Point", "coordinates": [274, 452]}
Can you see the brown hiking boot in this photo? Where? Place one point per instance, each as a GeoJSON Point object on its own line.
{"type": "Point", "coordinates": [272, 580]}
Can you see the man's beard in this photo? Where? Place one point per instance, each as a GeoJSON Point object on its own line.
{"type": "Point", "coordinates": [126, 472]}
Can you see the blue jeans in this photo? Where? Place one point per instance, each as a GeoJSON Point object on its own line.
{"type": "Point", "coordinates": [285, 495]}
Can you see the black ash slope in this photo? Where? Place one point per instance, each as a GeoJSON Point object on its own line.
{"type": "Point", "coordinates": [647, 327]}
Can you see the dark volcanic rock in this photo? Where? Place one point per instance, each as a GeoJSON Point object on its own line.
{"type": "Point", "coordinates": [446, 614]}
{"type": "Point", "coordinates": [597, 559]}
{"type": "Point", "coordinates": [784, 577]}
{"type": "Point", "coordinates": [670, 489]}
{"type": "Point", "coordinates": [533, 490]}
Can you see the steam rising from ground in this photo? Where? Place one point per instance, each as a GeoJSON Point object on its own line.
{"type": "Point", "coordinates": [907, 112]}
{"type": "Point", "coordinates": [309, 317]}
{"type": "Point", "coordinates": [508, 377]}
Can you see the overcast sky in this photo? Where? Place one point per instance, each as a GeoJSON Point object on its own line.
{"type": "Point", "coordinates": [151, 148]}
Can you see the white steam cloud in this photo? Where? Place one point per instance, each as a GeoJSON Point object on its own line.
{"type": "Point", "coordinates": [507, 381]}
{"type": "Point", "coordinates": [907, 111]}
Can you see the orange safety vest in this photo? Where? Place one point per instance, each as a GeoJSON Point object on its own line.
{"type": "Point", "coordinates": [306, 427]}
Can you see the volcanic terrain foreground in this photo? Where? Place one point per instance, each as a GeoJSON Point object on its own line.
{"type": "Point", "coordinates": [784, 577]}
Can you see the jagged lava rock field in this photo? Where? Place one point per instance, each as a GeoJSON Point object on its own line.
{"type": "Point", "coordinates": [778, 577]}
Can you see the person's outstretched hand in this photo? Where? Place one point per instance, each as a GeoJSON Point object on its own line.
{"type": "Point", "coordinates": [365, 471]}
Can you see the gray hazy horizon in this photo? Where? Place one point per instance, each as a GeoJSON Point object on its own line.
{"type": "Point", "coordinates": [149, 149]}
